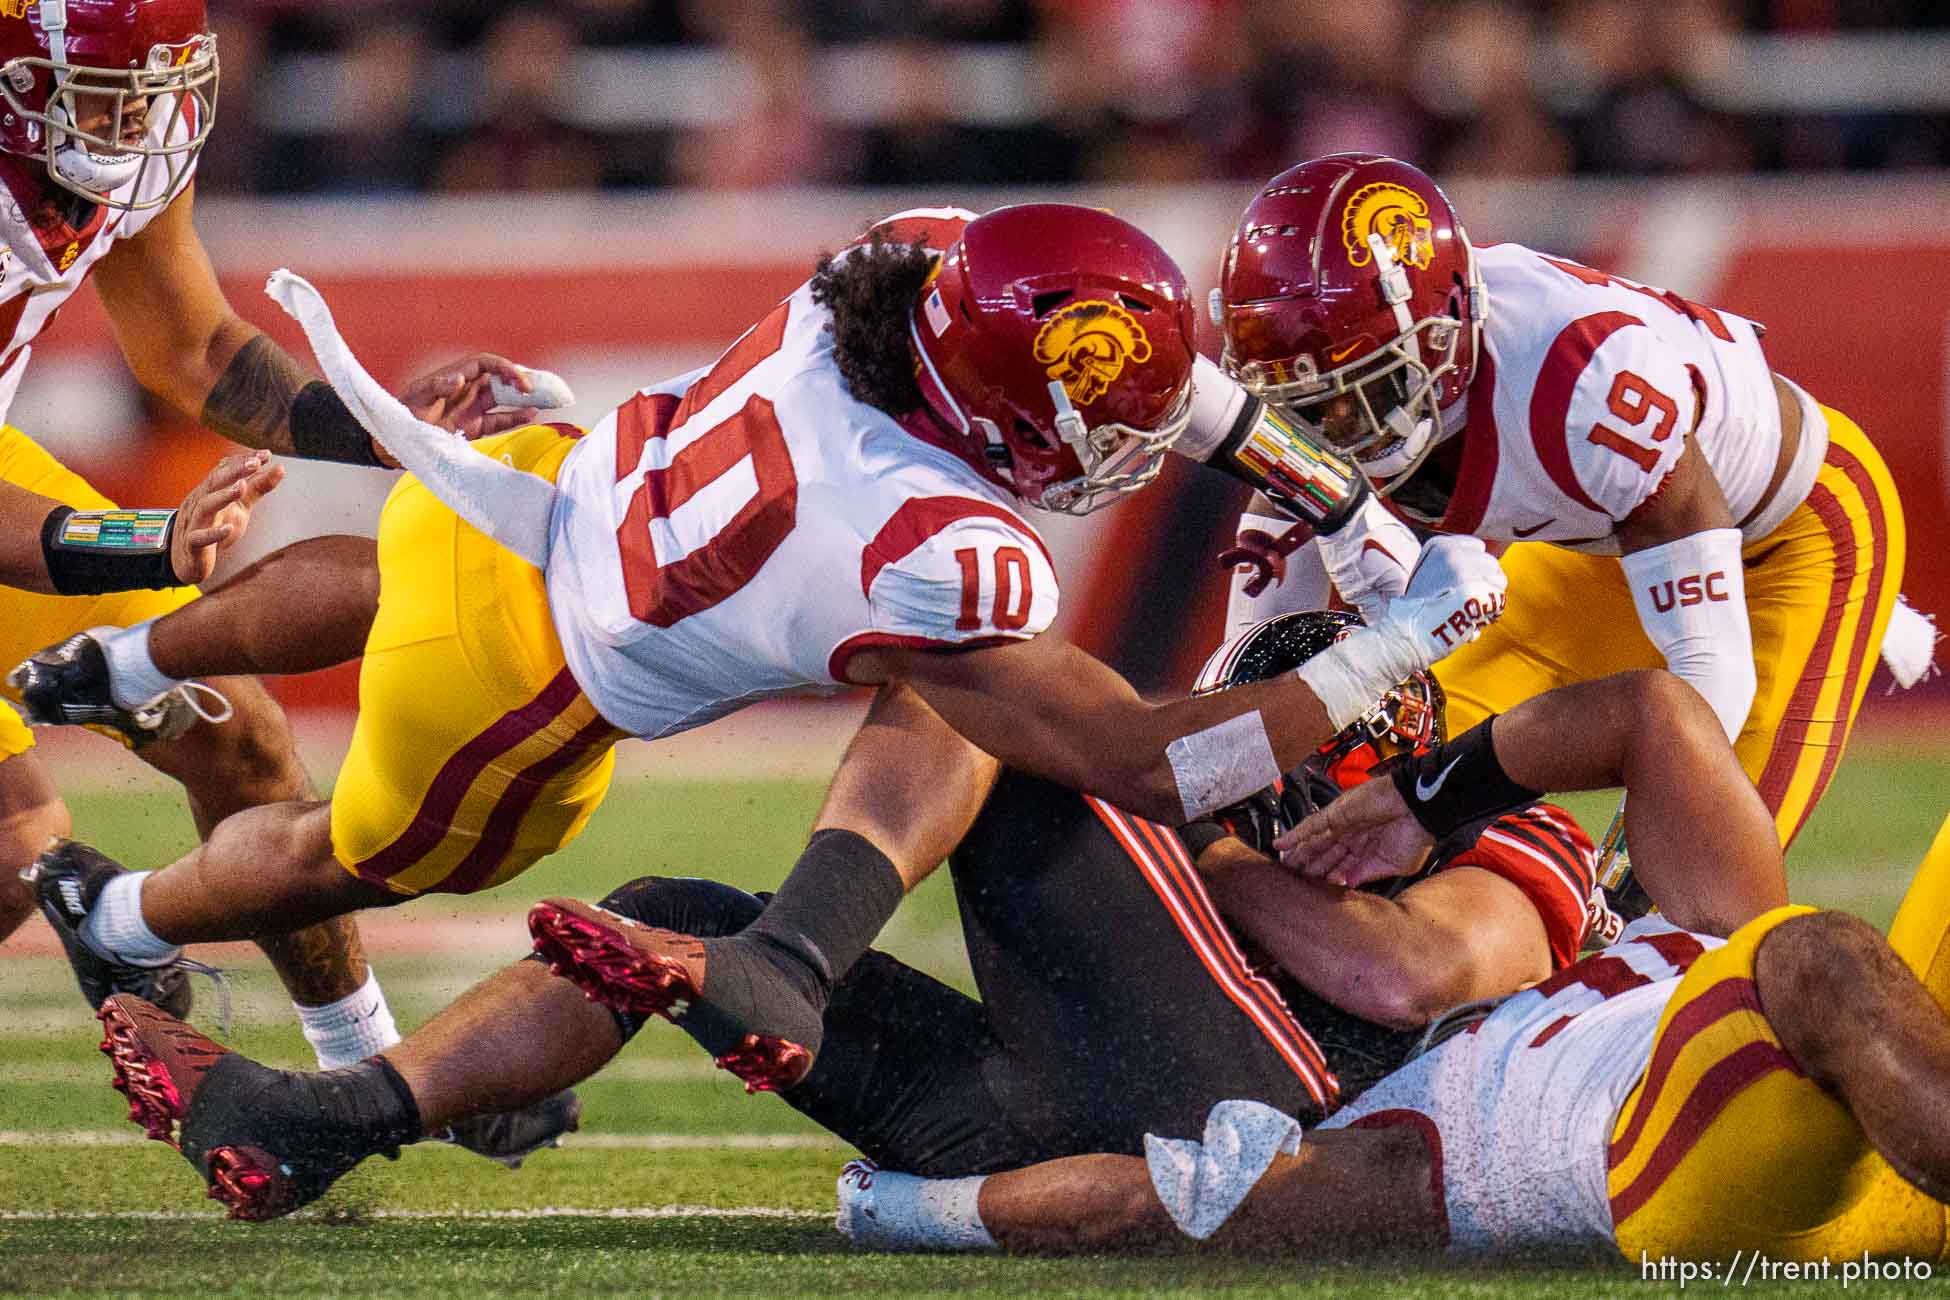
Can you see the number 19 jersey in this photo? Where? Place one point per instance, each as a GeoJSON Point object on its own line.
{"type": "Point", "coordinates": [741, 531]}
{"type": "Point", "coordinates": [1587, 390]}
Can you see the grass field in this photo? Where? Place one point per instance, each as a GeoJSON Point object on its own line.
{"type": "Point", "coordinates": [679, 1185]}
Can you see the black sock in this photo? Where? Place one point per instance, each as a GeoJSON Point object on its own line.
{"type": "Point", "coordinates": [320, 1125]}
{"type": "Point", "coordinates": [830, 909]}
{"type": "Point", "coordinates": [372, 1099]}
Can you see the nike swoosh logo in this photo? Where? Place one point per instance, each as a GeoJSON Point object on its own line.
{"type": "Point", "coordinates": [1341, 354]}
{"type": "Point", "coordinates": [1534, 529]}
{"type": "Point", "coordinates": [1427, 790]}
{"type": "Point", "coordinates": [1372, 545]}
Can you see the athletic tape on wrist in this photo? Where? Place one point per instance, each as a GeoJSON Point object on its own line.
{"type": "Point", "coordinates": [1222, 764]}
{"type": "Point", "coordinates": [91, 552]}
{"type": "Point", "coordinates": [1459, 782]}
{"type": "Point", "coordinates": [1349, 676]}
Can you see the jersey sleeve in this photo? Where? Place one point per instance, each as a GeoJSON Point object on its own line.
{"type": "Point", "coordinates": [953, 572]}
{"type": "Point", "coordinates": [1611, 412]}
{"type": "Point", "coordinates": [1545, 853]}
{"type": "Point", "coordinates": [934, 228]}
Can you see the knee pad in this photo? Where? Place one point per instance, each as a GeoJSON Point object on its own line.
{"type": "Point", "coordinates": [686, 904]}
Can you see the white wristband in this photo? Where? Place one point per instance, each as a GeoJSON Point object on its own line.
{"type": "Point", "coordinates": [1222, 764]}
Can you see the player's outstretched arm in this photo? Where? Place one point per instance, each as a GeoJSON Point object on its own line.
{"type": "Point", "coordinates": [1460, 935]}
{"type": "Point", "coordinates": [187, 345]}
{"type": "Point", "coordinates": [49, 547]}
{"type": "Point", "coordinates": [1046, 707]}
{"type": "Point", "coordinates": [1702, 841]}
{"type": "Point", "coordinates": [23, 562]}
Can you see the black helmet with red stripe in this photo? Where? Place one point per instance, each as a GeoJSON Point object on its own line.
{"type": "Point", "coordinates": [1406, 717]}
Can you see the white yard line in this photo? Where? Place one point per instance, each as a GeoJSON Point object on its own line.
{"type": "Point", "coordinates": [36, 1074]}
{"type": "Point", "coordinates": [592, 1141]}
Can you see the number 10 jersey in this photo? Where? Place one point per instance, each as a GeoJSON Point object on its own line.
{"type": "Point", "coordinates": [741, 531]}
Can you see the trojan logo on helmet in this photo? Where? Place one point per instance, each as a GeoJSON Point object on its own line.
{"type": "Point", "coordinates": [1053, 349]}
{"type": "Point", "coordinates": [1396, 213]}
{"type": "Point", "coordinates": [1351, 301]}
{"type": "Point", "coordinates": [1086, 346]}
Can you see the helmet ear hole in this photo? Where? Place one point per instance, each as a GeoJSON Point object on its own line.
{"type": "Point", "coordinates": [1043, 304]}
{"type": "Point", "coordinates": [1031, 434]}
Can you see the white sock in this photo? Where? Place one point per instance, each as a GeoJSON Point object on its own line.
{"type": "Point", "coordinates": [133, 678]}
{"type": "Point", "coordinates": [115, 927]}
{"type": "Point", "coordinates": [882, 1210]}
{"type": "Point", "coordinates": [346, 1032]}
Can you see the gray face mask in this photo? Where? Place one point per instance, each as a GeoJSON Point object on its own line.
{"type": "Point", "coordinates": [176, 93]}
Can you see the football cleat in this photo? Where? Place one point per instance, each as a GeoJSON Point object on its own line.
{"type": "Point", "coordinates": [510, 1137]}
{"type": "Point", "coordinates": [67, 879]}
{"type": "Point", "coordinates": [67, 684]}
{"type": "Point", "coordinates": [640, 971]}
{"type": "Point", "coordinates": [266, 1141]}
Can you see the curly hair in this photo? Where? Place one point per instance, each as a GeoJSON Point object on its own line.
{"type": "Point", "coordinates": [871, 294]}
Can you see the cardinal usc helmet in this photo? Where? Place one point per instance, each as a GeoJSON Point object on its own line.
{"type": "Point", "coordinates": [1054, 348]}
{"type": "Point", "coordinates": [1408, 716]}
{"type": "Point", "coordinates": [1350, 299]}
{"type": "Point", "coordinates": [102, 91]}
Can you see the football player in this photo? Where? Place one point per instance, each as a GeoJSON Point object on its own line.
{"type": "Point", "coordinates": [107, 107]}
{"type": "Point", "coordinates": [1670, 500]}
{"type": "Point", "coordinates": [835, 501]}
{"type": "Point", "coordinates": [1676, 1095]}
{"type": "Point", "coordinates": [1103, 965]}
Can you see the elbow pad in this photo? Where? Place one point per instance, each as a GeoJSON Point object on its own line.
{"type": "Point", "coordinates": [1237, 434]}
{"type": "Point", "coordinates": [1691, 596]}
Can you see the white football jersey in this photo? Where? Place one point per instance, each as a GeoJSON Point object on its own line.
{"type": "Point", "coordinates": [739, 532]}
{"type": "Point", "coordinates": [1523, 1103]}
{"type": "Point", "coordinates": [41, 267]}
{"type": "Point", "coordinates": [1585, 390]}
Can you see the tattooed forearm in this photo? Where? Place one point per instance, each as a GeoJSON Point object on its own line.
{"type": "Point", "coordinates": [251, 402]}
{"type": "Point", "coordinates": [321, 963]}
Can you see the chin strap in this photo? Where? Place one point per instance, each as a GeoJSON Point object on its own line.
{"type": "Point", "coordinates": [81, 166]}
{"type": "Point", "coordinates": [1395, 290]}
{"type": "Point", "coordinates": [73, 160]}
{"type": "Point", "coordinates": [54, 21]}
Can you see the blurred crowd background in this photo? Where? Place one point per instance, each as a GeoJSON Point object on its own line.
{"type": "Point", "coordinates": [462, 96]}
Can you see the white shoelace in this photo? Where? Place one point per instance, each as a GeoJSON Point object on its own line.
{"type": "Point", "coordinates": [151, 714]}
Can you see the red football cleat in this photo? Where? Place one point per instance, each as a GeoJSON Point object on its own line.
{"type": "Point", "coordinates": [252, 1184]}
{"type": "Point", "coordinates": [158, 1060]}
{"type": "Point", "coordinates": [264, 1140]}
{"type": "Point", "coordinates": [639, 970]}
